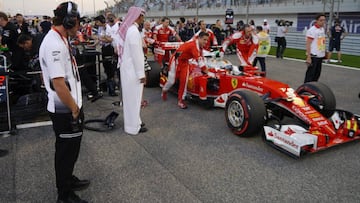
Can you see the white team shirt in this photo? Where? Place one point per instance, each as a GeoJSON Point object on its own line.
{"type": "Point", "coordinates": [318, 45]}
{"type": "Point", "coordinates": [266, 28]}
{"type": "Point", "coordinates": [113, 32]}
{"type": "Point", "coordinates": [281, 31]}
{"type": "Point", "coordinates": [55, 62]}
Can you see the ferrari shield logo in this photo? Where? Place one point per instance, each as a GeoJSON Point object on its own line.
{"type": "Point", "coordinates": [234, 82]}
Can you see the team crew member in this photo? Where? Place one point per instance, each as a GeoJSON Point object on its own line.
{"type": "Point", "coordinates": [131, 58]}
{"type": "Point", "coordinates": [31, 45]}
{"type": "Point", "coordinates": [179, 66]}
{"type": "Point", "coordinates": [107, 38]}
{"type": "Point", "coordinates": [8, 38]}
{"type": "Point", "coordinates": [263, 48]}
{"type": "Point", "coordinates": [315, 49]}
{"type": "Point", "coordinates": [162, 33]}
{"type": "Point", "coordinates": [148, 42]}
{"type": "Point", "coordinates": [107, 49]}
{"type": "Point", "coordinates": [336, 34]}
{"type": "Point", "coordinates": [282, 29]}
{"type": "Point", "coordinates": [61, 79]}
{"type": "Point", "coordinates": [246, 45]}
{"type": "Point", "coordinates": [147, 36]}
{"type": "Point", "coordinates": [21, 24]}
{"type": "Point", "coordinates": [266, 27]}
{"type": "Point", "coordinates": [212, 39]}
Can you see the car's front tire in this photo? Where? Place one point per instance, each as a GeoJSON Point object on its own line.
{"type": "Point", "coordinates": [245, 113]}
{"type": "Point", "coordinates": [321, 97]}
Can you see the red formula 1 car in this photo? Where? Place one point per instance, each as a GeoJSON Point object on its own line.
{"type": "Point", "coordinates": [155, 61]}
{"type": "Point", "coordinates": [293, 121]}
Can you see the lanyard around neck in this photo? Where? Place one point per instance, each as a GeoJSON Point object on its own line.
{"type": "Point", "coordinates": [72, 58]}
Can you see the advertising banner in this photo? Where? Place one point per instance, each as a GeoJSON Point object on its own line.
{"type": "Point", "coordinates": [350, 21]}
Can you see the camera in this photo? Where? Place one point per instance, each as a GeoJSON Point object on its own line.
{"type": "Point", "coordinates": [282, 22]}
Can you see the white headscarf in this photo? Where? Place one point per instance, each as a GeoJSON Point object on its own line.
{"type": "Point", "coordinates": [132, 15]}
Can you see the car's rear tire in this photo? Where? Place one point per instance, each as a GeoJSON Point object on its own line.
{"type": "Point", "coordinates": [153, 76]}
{"type": "Point", "coordinates": [323, 98]}
{"type": "Point", "coordinates": [245, 113]}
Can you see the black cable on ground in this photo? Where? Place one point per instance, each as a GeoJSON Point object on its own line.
{"type": "Point", "coordinates": [107, 123]}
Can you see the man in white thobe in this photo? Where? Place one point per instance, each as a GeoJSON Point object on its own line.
{"type": "Point", "coordinates": [131, 58]}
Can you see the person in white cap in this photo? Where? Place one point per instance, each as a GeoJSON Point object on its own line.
{"type": "Point", "coordinates": [266, 27]}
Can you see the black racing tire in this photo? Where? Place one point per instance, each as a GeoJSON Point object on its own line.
{"type": "Point", "coordinates": [153, 76]}
{"type": "Point", "coordinates": [26, 108]}
{"type": "Point", "coordinates": [245, 113]}
{"type": "Point", "coordinates": [323, 98]}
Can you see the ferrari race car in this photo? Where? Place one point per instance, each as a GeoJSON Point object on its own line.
{"type": "Point", "coordinates": [155, 60]}
{"type": "Point", "coordinates": [293, 121]}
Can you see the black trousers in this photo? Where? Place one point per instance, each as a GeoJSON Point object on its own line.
{"type": "Point", "coordinates": [262, 63]}
{"type": "Point", "coordinates": [87, 80]}
{"type": "Point", "coordinates": [314, 70]}
{"type": "Point", "coordinates": [67, 146]}
{"type": "Point", "coordinates": [281, 41]}
{"type": "Point", "coordinates": [108, 61]}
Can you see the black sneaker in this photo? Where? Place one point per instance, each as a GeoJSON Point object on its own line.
{"type": "Point", "coordinates": [143, 130]}
{"type": "Point", "coordinates": [113, 94]}
{"type": "Point", "coordinates": [3, 152]}
{"type": "Point", "coordinates": [72, 198]}
{"type": "Point", "coordinates": [77, 184]}
{"type": "Point", "coordinates": [97, 96]}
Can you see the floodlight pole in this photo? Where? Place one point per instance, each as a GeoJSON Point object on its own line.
{"type": "Point", "coordinates": [94, 7]}
{"type": "Point", "coordinates": [247, 11]}
{"type": "Point", "coordinates": [197, 9]}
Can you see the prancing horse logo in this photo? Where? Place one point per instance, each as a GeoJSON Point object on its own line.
{"type": "Point", "coordinates": [234, 82]}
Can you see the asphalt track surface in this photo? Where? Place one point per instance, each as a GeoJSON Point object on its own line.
{"type": "Point", "coordinates": [188, 155]}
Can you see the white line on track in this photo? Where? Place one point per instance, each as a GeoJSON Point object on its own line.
{"type": "Point", "coordinates": [327, 64]}
{"type": "Point", "coordinates": [33, 125]}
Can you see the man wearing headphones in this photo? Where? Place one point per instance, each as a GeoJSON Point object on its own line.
{"type": "Point", "coordinates": [62, 82]}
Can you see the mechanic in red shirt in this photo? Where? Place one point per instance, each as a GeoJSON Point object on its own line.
{"type": "Point", "coordinates": [162, 33]}
{"type": "Point", "coordinates": [212, 38]}
{"type": "Point", "coordinates": [246, 45]}
{"type": "Point", "coordinates": [179, 66]}
{"type": "Point", "coordinates": [147, 36]}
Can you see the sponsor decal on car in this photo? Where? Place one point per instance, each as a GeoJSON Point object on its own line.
{"type": "Point", "coordinates": [315, 116]}
{"type": "Point", "coordinates": [284, 139]}
{"type": "Point", "coordinates": [309, 112]}
{"type": "Point", "coordinates": [289, 131]}
{"type": "Point", "coordinates": [300, 114]}
{"type": "Point", "coordinates": [322, 123]}
{"type": "Point", "coordinates": [250, 86]}
{"type": "Point", "coordinates": [234, 82]}
{"type": "Point", "coordinates": [159, 51]}
{"type": "Point", "coordinates": [299, 102]}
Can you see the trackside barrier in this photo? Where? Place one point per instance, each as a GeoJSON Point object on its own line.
{"type": "Point", "coordinates": [294, 39]}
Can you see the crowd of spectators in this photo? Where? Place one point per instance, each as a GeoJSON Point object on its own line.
{"type": "Point", "coordinates": [160, 5]}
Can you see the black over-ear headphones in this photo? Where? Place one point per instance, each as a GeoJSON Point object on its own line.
{"type": "Point", "coordinates": [71, 15]}
{"type": "Point", "coordinates": [68, 11]}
